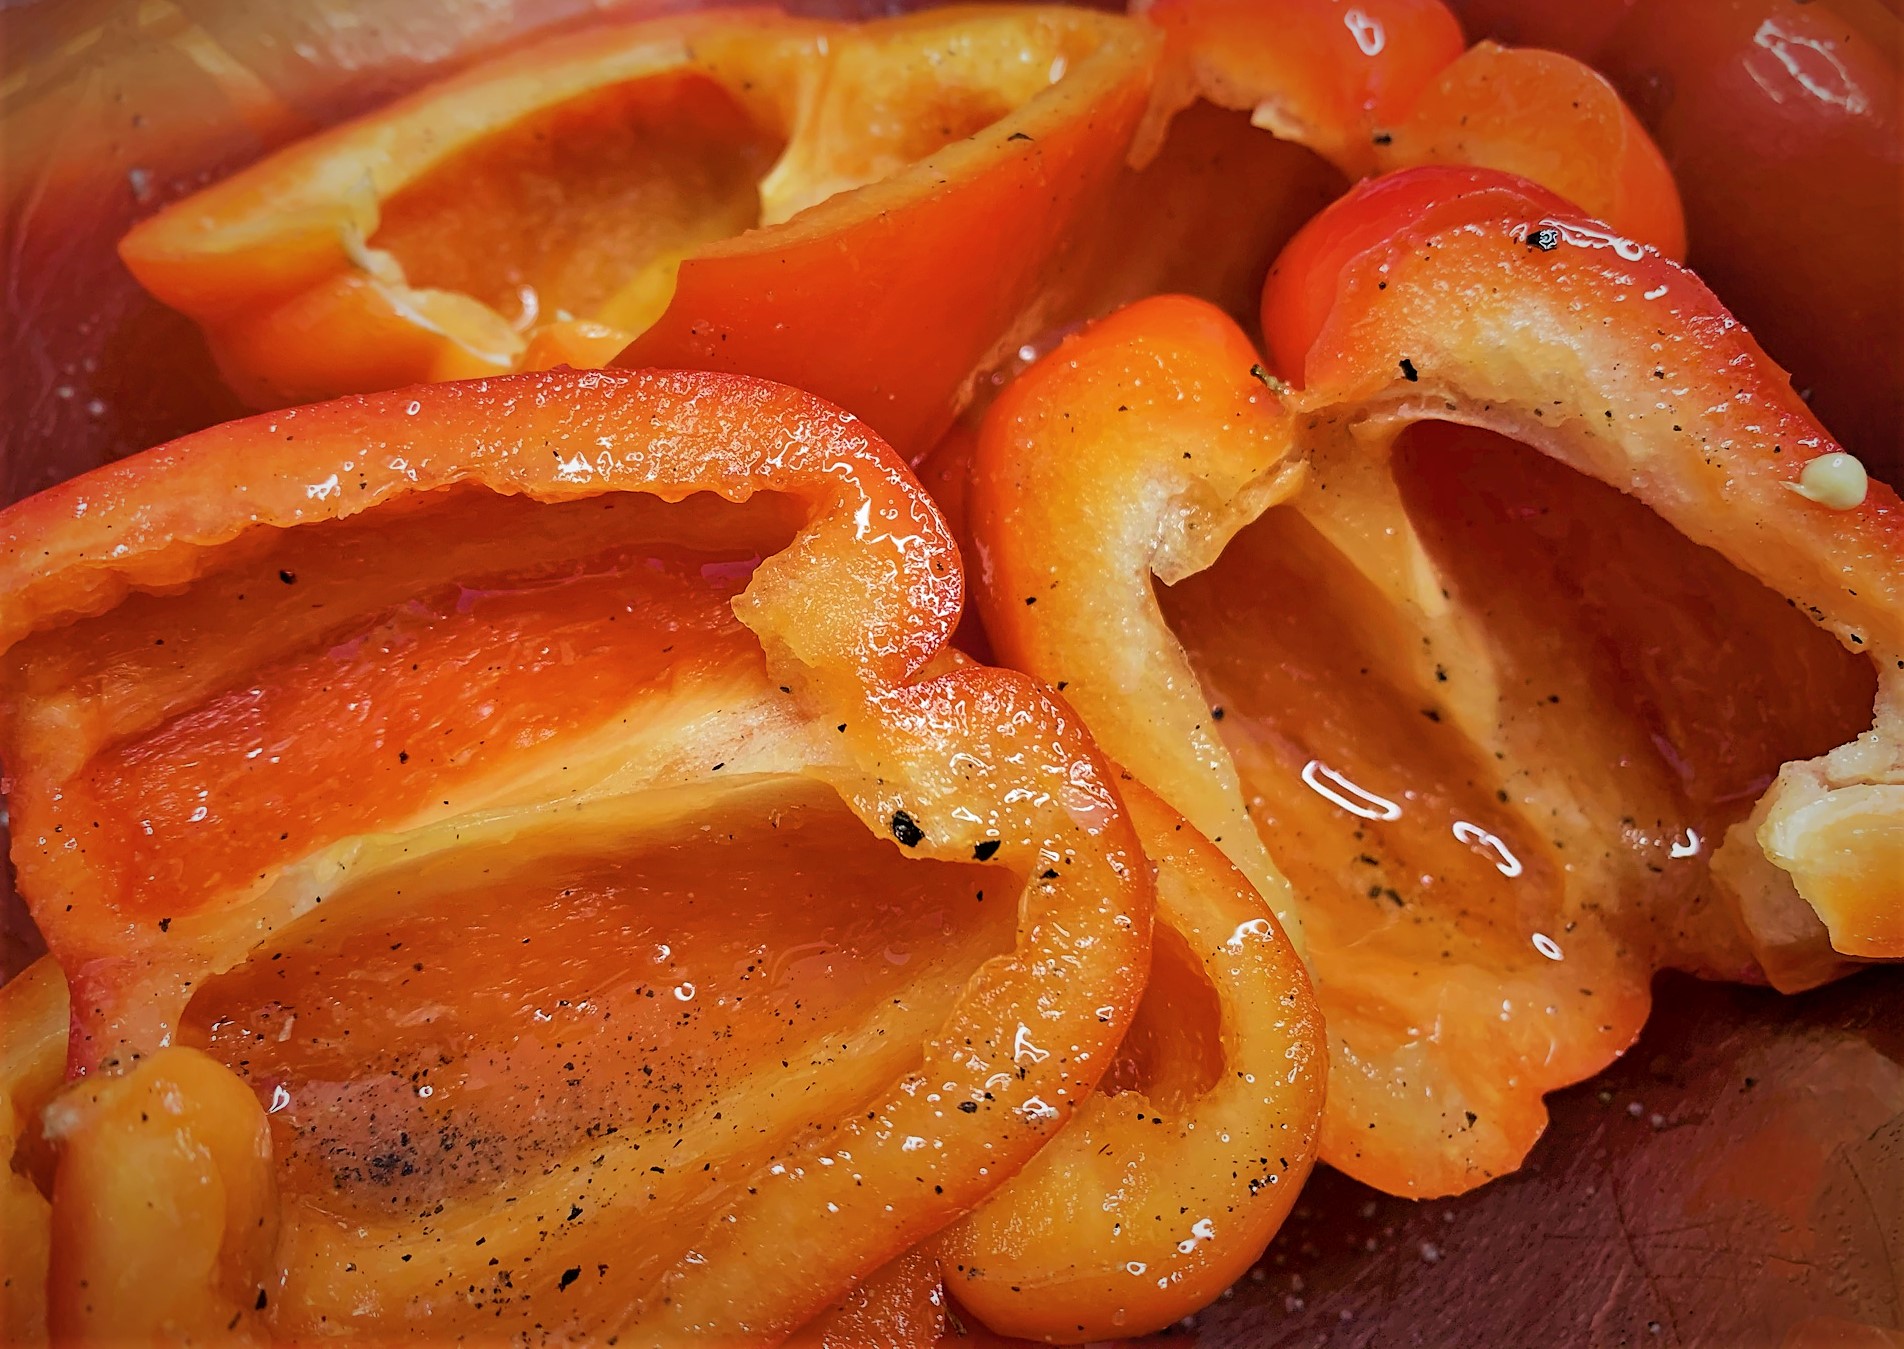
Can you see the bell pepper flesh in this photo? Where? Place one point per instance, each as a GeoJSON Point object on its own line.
{"type": "Point", "coordinates": [888, 300]}
{"type": "Point", "coordinates": [747, 527]}
{"type": "Point", "coordinates": [1551, 119]}
{"type": "Point", "coordinates": [1721, 457]}
{"type": "Point", "coordinates": [1377, 88]}
{"type": "Point", "coordinates": [33, 1014]}
{"type": "Point", "coordinates": [1175, 1175]}
{"type": "Point", "coordinates": [184, 1253]}
{"type": "Point", "coordinates": [1765, 110]}
{"type": "Point", "coordinates": [614, 179]}
{"type": "Point", "coordinates": [1506, 775]}
{"type": "Point", "coordinates": [1324, 73]}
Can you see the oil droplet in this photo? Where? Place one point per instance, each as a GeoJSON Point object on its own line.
{"type": "Point", "coordinates": [684, 992]}
{"type": "Point", "coordinates": [1548, 947]}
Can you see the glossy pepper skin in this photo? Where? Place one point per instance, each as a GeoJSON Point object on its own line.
{"type": "Point", "coordinates": [729, 603]}
{"type": "Point", "coordinates": [1375, 88]}
{"type": "Point", "coordinates": [1781, 123]}
{"type": "Point", "coordinates": [1509, 766]}
{"type": "Point", "coordinates": [545, 208]}
{"type": "Point", "coordinates": [1173, 1178]}
{"type": "Point", "coordinates": [1171, 1181]}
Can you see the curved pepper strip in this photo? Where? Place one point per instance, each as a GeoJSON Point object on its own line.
{"type": "Point", "coordinates": [32, 1062]}
{"type": "Point", "coordinates": [256, 550]}
{"type": "Point", "coordinates": [1375, 88]}
{"type": "Point", "coordinates": [1502, 949]}
{"type": "Point", "coordinates": [1764, 109]}
{"type": "Point", "coordinates": [1175, 1175]}
{"type": "Point", "coordinates": [1816, 532]}
{"type": "Point", "coordinates": [164, 1207]}
{"type": "Point", "coordinates": [1173, 1178]}
{"type": "Point", "coordinates": [899, 1307]}
{"type": "Point", "coordinates": [443, 237]}
{"type": "Point", "coordinates": [1328, 74]}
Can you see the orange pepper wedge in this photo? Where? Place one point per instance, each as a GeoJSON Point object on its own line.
{"type": "Point", "coordinates": [901, 1306]}
{"type": "Point", "coordinates": [1375, 88]}
{"type": "Point", "coordinates": [33, 1015]}
{"type": "Point", "coordinates": [1517, 738]}
{"type": "Point", "coordinates": [1328, 74]}
{"type": "Point", "coordinates": [1793, 509]}
{"type": "Point", "coordinates": [1174, 1176]}
{"type": "Point", "coordinates": [808, 201]}
{"type": "Point", "coordinates": [1548, 118]}
{"type": "Point", "coordinates": [1171, 1180]}
{"type": "Point", "coordinates": [502, 651]}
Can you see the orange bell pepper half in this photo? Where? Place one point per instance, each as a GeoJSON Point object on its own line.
{"type": "Point", "coordinates": [1174, 1176]}
{"type": "Point", "coordinates": [1328, 74]}
{"type": "Point", "coordinates": [1499, 728]}
{"type": "Point", "coordinates": [866, 211]}
{"type": "Point", "coordinates": [1386, 86]}
{"type": "Point", "coordinates": [545, 806]}
{"type": "Point", "coordinates": [1784, 127]}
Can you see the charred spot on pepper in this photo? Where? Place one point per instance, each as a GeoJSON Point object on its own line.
{"type": "Point", "coordinates": [985, 851]}
{"type": "Point", "coordinates": [906, 829]}
{"type": "Point", "coordinates": [1546, 239]}
{"type": "Point", "coordinates": [287, 576]}
{"type": "Point", "coordinates": [1408, 370]}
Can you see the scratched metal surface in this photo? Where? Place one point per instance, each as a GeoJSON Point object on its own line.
{"type": "Point", "coordinates": [1737, 1179]}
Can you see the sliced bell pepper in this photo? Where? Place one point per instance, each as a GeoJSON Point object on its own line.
{"type": "Point", "coordinates": [1552, 120]}
{"type": "Point", "coordinates": [1328, 74]}
{"type": "Point", "coordinates": [899, 1307]}
{"type": "Point", "coordinates": [32, 1059]}
{"type": "Point", "coordinates": [1504, 727]}
{"type": "Point", "coordinates": [164, 1209]}
{"type": "Point", "coordinates": [548, 799]}
{"type": "Point", "coordinates": [1379, 87]}
{"type": "Point", "coordinates": [1784, 127]}
{"type": "Point", "coordinates": [911, 179]}
{"type": "Point", "coordinates": [1171, 1180]}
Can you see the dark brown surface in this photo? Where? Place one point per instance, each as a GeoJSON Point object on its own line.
{"type": "Point", "coordinates": [1736, 1179]}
